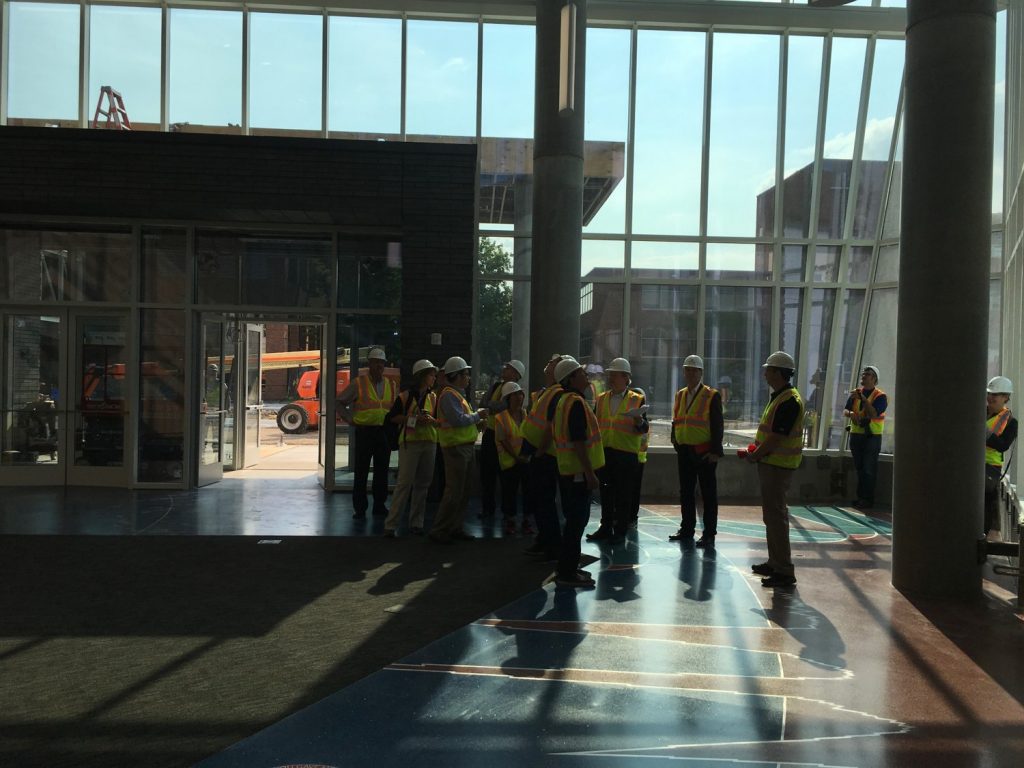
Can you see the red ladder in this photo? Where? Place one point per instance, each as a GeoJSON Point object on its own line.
{"type": "Point", "coordinates": [115, 114]}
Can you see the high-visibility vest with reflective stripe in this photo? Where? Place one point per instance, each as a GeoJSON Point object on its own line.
{"type": "Point", "coordinates": [568, 462]}
{"type": "Point", "coordinates": [995, 426]}
{"type": "Point", "coordinates": [877, 424]}
{"type": "Point", "coordinates": [422, 433]}
{"type": "Point", "coordinates": [692, 426]}
{"type": "Point", "coordinates": [368, 409]}
{"type": "Point", "coordinates": [644, 443]}
{"type": "Point", "coordinates": [787, 453]}
{"type": "Point", "coordinates": [618, 431]}
{"type": "Point", "coordinates": [490, 396]}
{"type": "Point", "coordinates": [449, 435]}
{"type": "Point", "coordinates": [537, 419]}
{"type": "Point", "coordinates": [511, 430]}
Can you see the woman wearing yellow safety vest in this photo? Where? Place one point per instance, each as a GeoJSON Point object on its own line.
{"type": "Point", "coordinates": [413, 412]}
{"type": "Point", "coordinates": [621, 417]}
{"type": "Point", "coordinates": [508, 439]}
{"type": "Point", "coordinates": [1000, 433]}
{"type": "Point", "coordinates": [865, 408]}
{"type": "Point", "coordinates": [513, 370]}
{"type": "Point", "coordinates": [580, 455]}
{"type": "Point", "coordinates": [365, 403]}
{"type": "Point", "coordinates": [456, 432]}
{"type": "Point", "coordinates": [779, 450]}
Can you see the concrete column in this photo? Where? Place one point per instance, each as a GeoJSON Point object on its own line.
{"type": "Point", "coordinates": [557, 193]}
{"type": "Point", "coordinates": [521, 265]}
{"type": "Point", "coordinates": [943, 301]}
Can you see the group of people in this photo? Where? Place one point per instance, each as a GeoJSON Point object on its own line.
{"type": "Point", "coordinates": [567, 440]}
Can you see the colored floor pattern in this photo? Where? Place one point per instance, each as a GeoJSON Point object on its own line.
{"type": "Point", "coordinates": [676, 655]}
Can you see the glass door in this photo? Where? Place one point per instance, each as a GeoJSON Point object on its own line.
{"type": "Point", "coordinates": [253, 391]}
{"type": "Point", "coordinates": [213, 403]}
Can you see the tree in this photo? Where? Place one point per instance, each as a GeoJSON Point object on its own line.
{"type": "Point", "coordinates": [494, 318]}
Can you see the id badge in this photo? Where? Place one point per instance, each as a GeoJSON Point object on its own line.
{"type": "Point", "coordinates": [411, 422]}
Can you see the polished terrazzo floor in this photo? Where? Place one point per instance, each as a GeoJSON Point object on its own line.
{"type": "Point", "coordinates": [677, 655]}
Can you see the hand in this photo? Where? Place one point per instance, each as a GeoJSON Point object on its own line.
{"type": "Point", "coordinates": [712, 458]}
{"type": "Point", "coordinates": [427, 419]}
{"type": "Point", "coordinates": [481, 412]}
{"type": "Point", "coordinates": [591, 478]}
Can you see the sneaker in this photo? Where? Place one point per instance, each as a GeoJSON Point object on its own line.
{"type": "Point", "coordinates": [510, 527]}
{"type": "Point", "coordinates": [600, 534]}
{"type": "Point", "coordinates": [762, 569]}
{"type": "Point", "coordinates": [706, 542]}
{"type": "Point", "coordinates": [576, 580]}
{"type": "Point", "coordinates": [681, 535]}
{"type": "Point", "coordinates": [778, 580]}
{"type": "Point", "coordinates": [389, 534]}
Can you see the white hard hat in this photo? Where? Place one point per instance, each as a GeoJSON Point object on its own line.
{"type": "Point", "coordinates": [873, 369]}
{"type": "Point", "coordinates": [780, 360]}
{"type": "Point", "coordinates": [1000, 385]}
{"type": "Point", "coordinates": [422, 365]}
{"type": "Point", "coordinates": [620, 364]}
{"type": "Point", "coordinates": [565, 367]}
{"type": "Point", "coordinates": [377, 353]}
{"type": "Point", "coordinates": [455, 365]}
{"type": "Point", "coordinates": [510, 387]}
{"type": "Point", "coordinates": [693, 361]}
{"type": "Point", "coordinates": [518, 367]}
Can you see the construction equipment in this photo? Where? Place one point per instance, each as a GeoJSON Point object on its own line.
{"type": "Point", "coordinates": [115, 113]}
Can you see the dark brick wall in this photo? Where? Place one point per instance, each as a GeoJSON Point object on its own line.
{"type": "Point", "coordinates": [424, 193]}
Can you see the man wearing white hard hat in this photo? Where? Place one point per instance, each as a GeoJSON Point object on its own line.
{"type": "Point", "coordinates": [698, 426]}
{"type": "Point", "coordinates": [777, 451]}
{"type": "Point", "coordinates": [1000, 434]}
{"type": "Point", "coordinates": [508, 438]}
{"type": "Point", "coordinates": [365, 403]}
{"type": "Point", "coordinates": [865, 408]}
{"type": "Point", "coordinates": [413, 413]}
{"type": "Point", "coordinates": [622, 419]}
{"type": "Point", "coordinates": [456, 432]}
{"type": "Point", "coordinates": [513, 370]}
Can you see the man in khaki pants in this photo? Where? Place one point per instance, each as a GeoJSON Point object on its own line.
{"type": "Point", "coordinates": [777, 455]}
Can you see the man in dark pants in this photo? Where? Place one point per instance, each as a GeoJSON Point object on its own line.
{"type": "Point", "coordinates": [697, 429]}
{"type": "Point", "coordinates": [1000, 434]}
{"type": "Point", "coordinates": [865, 408]}
{"type": "Point", "coordinates": [513, 370]}
{"type": "Point", "coordinates": [542, 471]}
{"type": "Point", "coordinates": [365, 403]}
{"type": "Point", "coordinates": [577, 440]}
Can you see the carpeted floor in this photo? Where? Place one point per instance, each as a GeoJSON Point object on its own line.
{"type": "Point", "coordinates": [158, 651]}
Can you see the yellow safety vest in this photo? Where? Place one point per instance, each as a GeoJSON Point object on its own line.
{"type": "Point", "coordinates": [507, 428]}
{"type": "Point", "coordinates": [644, 443]}
{"type": "Point", "coordinates": [568, 462]}
{"type": "Point", "coordinates": [877, 424]}
{"type": "Point", "coordinates": [490, 396]}
{"type": "Point", "coordinates": [692, 426]}
{"type": "Point", "coordinates": [449, 435]}
{"type": "Point", "coordinates": [537, 419]}
{"type": "Point", "coordinates": [618, 431]}
{"type": "Point", "coordinates": [370, 410]}
{"type": "Point", "coordinates": [422, 433]}
{"type": "Point", "coordinates": [995, 426]}
{"type": "Point", "coordinates": [789, 450]}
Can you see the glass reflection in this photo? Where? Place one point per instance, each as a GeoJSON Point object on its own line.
{"type": "Point", "coordinates": [32, 398]}
{"type": "Point", "coordinates": [161, 395]}
{"type": "Point", "coordinates": [102, 364]}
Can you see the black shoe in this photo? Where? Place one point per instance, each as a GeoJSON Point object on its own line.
{"type": "Point", "coordinates": [617, 538]}
{"type": "Point", "coordinates": [544, 557]}
{"type": "Point", "coordinates": [600, 534]}
{"type": "Point", "coordinates": [389, 534]}
{"type": "Point", "coordinates": [575, 580]}
{"type": "Point", "coordinates": [681, 535]}
{"type": "Point", "coordinates": [463, 536]}
{"type": "Point", "coordinates": [534, 549]}
{"type": "Point", "coordinates": [706, 542]}
{"type": "Point", "coordinates": [762, 569]}
{"type": "Point", "coordinates": [359, 515]}
{"type": "Point", "coordinates": [778, 580]}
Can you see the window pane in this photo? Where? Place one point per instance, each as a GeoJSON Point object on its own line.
{"type": "Point", "coordinates": [995, 324]}
{"type": "Point", "coordinates": [218, 275]}
{"type": "Point", "coordinates": [812, 371]}
{"type": "Point", "coordinates": [287, 271]}
{"type": "Point", "coordinates": [162, 395]}
{"type": "Point", "coordinates": [791, 318]}
{"type": "Point", "coordinates": [67, 266]}
{"type": "Point", "coordinates": [669, 119]}
{"type": "Point", "coordinates": [744, 109]}
{"type": "Point", "coordinates": [858, 267]}
{"type": "Point", "coordinates": [602, 258]}
{"type": "Point", "coordinates": [880, 351]}
{"type": "Point", "coordinates": [441, 80]}
{"type": "Point", "coordinates": [845, 374]}
{"type": "Point", "coordinates": [888, 264]}
{"type": "Point", "coordinates": [206, 67]}
{"type": "Point", "coordinates": [124, 53]}
{"type": "Point", "coordinates": [741, 261]}
{"type": "Point", "coordinates": [663, 331]}
{"type": "Point", "coordinates": [163, 266]}
{"type": "Point", "coordinates": [600, 322]}
{"type": "Point", "coordinates": [495, 255]}
{"type": "Point", "coordinates": [803, 86]}
{"type": "Point", "coordinates": [737, 340]}
{"type": "Point", "coordinates": [826, 264]}
{"type": "Point", "coordinates": [649, 259]}
{"type": "Point", "coordinates": [794, 259]}
{"type": "Point", "coordinates": [285, 64]}
{"type": "Point", "coordinates": [42, 60]}
{"type": "Point", "coordinates": [508, 80]}
{"type": "Point", "coordinates": [605, 128]}
{"type": "Point", "coordinates": [370, 274]}
{"type": "Point", "coordinates": [506, 184]}
{"type": "Point", "coordinates": [996, 257]}
{"type": "Point", "coordinates": [494, 331]}
{"type": "Point", "coordinates": [365, 75]}
{"type": "Point", "coordinates": [1000, 116]}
